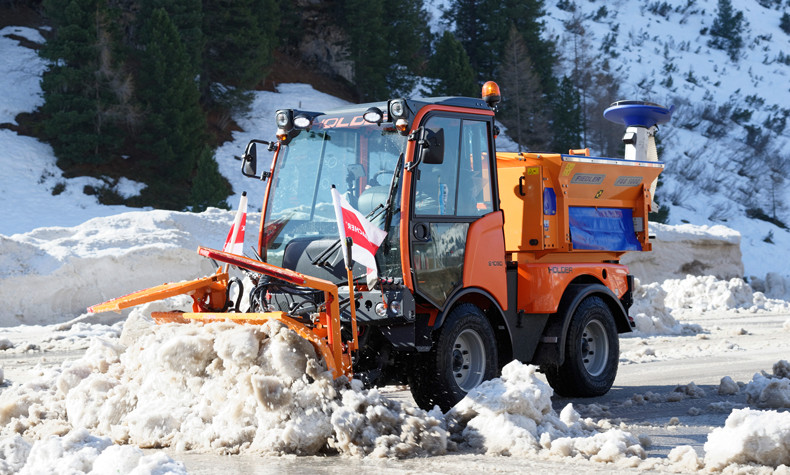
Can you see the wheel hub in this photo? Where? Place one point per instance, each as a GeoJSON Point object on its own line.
{"type": "Point", "coordinates": [594, 348]}
{"type": "Point", "coordinates": [468, 360]}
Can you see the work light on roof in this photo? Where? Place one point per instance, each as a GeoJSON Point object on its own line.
{"type": "Point", "coordinates": [373, 115]}
{"type": "Point", "coordinates": [302, 122]}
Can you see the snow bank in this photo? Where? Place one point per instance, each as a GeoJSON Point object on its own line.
{"type": "Point", "coordinates": [687, 249]}
{"type": "Point", "coordinates": [707, 293]}
{"type": "Point", "coordinates": [61, 271]}
{"type": "Point", "coordinates": [658, 306]}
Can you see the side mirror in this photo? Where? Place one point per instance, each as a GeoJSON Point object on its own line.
{"type": "Point", "coordinates": [249, 161]}
{"type": "Point", "coordinates": [433, 147]}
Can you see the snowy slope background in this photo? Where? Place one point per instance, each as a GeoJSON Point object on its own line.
{"type": "Point", "coordinates": [702, 147]}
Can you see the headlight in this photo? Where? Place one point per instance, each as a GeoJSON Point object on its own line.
{"type": "Point", "coordinates": [284, 119]}
{"type": "Point", "coordinates": [398, 109]}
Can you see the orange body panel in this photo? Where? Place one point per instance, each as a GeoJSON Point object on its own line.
{"type": "Point", "coordinates": [540, 286]}
{"type": "Point", "coordinates": [484, 265]}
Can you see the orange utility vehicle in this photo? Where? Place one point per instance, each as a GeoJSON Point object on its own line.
{"type": "Point", "coordinates": [488, 257]}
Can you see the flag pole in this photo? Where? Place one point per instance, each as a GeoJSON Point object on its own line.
{"type": "Point", "coordinates": [352, 300]}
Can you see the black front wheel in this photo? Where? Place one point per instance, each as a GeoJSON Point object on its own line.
{"type": "Point", "coordinates": [464, 355]}
{"type": "Point", "coordinates": [592, 351]}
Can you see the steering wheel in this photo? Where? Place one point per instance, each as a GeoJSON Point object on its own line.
{"type": "Point", "coordinates": [375, 178]}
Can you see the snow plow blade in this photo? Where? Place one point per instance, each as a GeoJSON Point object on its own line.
{"type": "Point", "coordinates": [213, 284]}
{"type": "Point", "coordinates": [210, 296]}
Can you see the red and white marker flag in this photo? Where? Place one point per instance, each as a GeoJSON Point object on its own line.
{"type": "Point", "coordinates": [366, 237]}
{"type": "Point", "coordinates": [234, 243]}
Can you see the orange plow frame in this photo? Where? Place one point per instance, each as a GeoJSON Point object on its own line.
{"type": "Point", "coordinates": [324, 336]}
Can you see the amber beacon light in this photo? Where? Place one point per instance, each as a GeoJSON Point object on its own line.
{"type": "Point", "coordinates": [491, 93]}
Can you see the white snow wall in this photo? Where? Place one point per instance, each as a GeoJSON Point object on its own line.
{"type": "Point", "coordinates": [53, 274]}
{"type": "Point", "coordinates": [688, 249]}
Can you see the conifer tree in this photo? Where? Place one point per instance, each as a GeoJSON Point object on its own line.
{"type": "Point", "coordinates": [405, 24]}
{"type": "Point", "coordinates": [174, 125]}
{"type": "Point", "coordinates": [240, 37]}
{"type": "Point", "coordinates": [523, 111]}
{"type": "Point", "coordinates": [483, 27]}
{"type": "Point", "coordinates": [368, 47]}
{"type": "Point", "coordinates": [75, 93]}
{"type": "Point", "coordinates": [387, 44]}
{"type": "Point", "coordinates": [726, 29]}
{"type": "Point", "coordinates": [450, 67]}
{"type": "Point", "coordinates": [472, 21]}
{"type": "Point", "coordinates": [209, 188]}
{"type": "Point", "coordinates": [567, 117]}
{"type": "Point", "coordinates": [526, 16]}
{"type": "Point", "coordinates": [187, 17]}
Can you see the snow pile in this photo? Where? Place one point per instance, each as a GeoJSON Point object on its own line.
{"type": "Point", "coordinates": [706, 293]}
{"type": "Point", "coordinates": [220, 387]}
{"type": "Point", "coordinates": [750, 436]}
{"type": "Point", "coordinates": [774, 285]}
{"type": "Point", "coordinates": [650, 313]}
{"type": "Point", "coordinates": [512, 415]}
{"type": "Point", "coordinates": [229, 388]}
{"type": "Point", "coordinates": [770, 390]}
{"type": "Point", "coordinates": [81, 452]}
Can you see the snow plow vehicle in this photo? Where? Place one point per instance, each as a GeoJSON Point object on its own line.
{"type": "Point", "coordinates": [488, 256]}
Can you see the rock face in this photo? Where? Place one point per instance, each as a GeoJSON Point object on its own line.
{"type": "Point", "coordinates": [687, 249]}
{"type": "Point", "coordinates": [321, 43]}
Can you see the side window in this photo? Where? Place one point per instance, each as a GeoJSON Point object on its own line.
{"type": "Point", "coordinates": [437, 184]}
{"type": "Point", "coordinates": [474, 177]}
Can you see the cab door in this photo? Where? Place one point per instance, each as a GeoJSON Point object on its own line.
{"type": "Point", "coordinates": [447, 198]}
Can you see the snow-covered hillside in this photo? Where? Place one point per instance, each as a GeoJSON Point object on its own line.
{"type": "Point", "coordinates": [726, 147]}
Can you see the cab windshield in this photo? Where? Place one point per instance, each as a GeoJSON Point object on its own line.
{"type": "Point", "coordinates": [359, 159]}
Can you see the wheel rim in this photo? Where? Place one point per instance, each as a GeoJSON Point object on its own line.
{"type": "Point", "coordinates": [594, 348]}
{"type": "Point", "coordinates": [468, 360]}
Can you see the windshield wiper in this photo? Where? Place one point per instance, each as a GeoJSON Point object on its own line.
{"type": "Point", "coordinates": [323, 258]}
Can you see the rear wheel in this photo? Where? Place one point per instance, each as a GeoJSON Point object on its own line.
{"type": "Point", "coordinates": [463, 356]}
{"type": "Point", "coordinates": [592, 350]}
